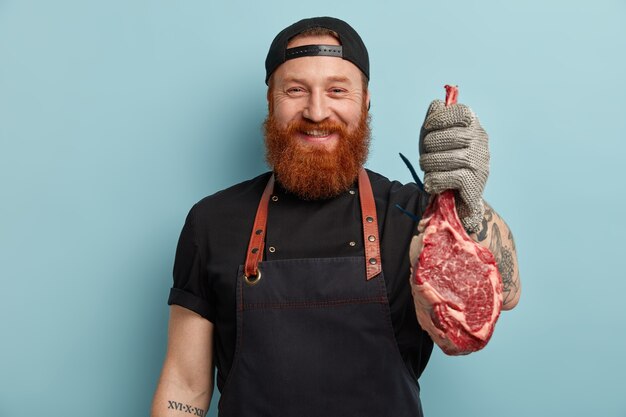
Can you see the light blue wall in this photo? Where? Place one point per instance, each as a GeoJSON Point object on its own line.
{"type": "Point", "coordinates": [116, 116]}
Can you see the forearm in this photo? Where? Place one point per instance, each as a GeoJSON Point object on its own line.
{"type": "Point", "coordinates": [495, 235]}
{"type": "Point", "coordinates": [173, 398]}
{"type": "Point", "coordinates": [186, 383]}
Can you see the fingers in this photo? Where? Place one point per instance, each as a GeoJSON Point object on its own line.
{"type": "Point", "coordinates": [439, 116]}
{"type": "Point", "coordinates": [445, 140]}
{"type": "Point", "coordinates": [445, 160]}
{"type": "Point", "coordinates": [435, 106]}
{"type": "Point", "coordinates": [437, 182]}
{"type": "Point", "coordinates": [415, 249]}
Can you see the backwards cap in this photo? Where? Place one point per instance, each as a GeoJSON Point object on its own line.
{"type": "Point", "coordinates": [351, 49]}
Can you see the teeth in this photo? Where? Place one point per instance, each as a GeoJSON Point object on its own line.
{"type": "Point", "coordinates": [317, 133]}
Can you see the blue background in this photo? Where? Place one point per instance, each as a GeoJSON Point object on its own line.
{"type": "Point", "coordinates": [116, 116]}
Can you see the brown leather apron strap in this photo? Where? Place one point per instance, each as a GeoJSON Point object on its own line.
{"type": "Point", "coordinates": [373, 264]}
{"type": "Point", "coordinates": [257, 238]}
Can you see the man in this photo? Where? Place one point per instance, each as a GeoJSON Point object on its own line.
{"type": "Point", "coordinates": [296, 284]}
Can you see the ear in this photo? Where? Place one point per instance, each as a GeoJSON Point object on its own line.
{"type": "Point", "coordinates": [367, 99]}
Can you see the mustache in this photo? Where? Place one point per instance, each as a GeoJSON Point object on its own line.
{"type": "Point", "coordinates": [306, 125]}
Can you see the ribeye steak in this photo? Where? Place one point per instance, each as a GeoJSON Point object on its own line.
{"type": "Point", "coordinates": [457, 288]}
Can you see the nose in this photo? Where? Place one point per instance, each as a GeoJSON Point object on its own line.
{"type": "Point", "coordinates": [316, 108]}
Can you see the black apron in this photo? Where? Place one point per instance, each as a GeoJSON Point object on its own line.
{"type": "Point", "coordinates": [314, 336]}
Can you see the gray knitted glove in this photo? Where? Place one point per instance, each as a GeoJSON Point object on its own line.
{"type": "Point", "coordinates": [454, 154]}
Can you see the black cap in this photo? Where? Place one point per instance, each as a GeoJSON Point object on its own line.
{"type": "Point", "coordinates": [351, 49]}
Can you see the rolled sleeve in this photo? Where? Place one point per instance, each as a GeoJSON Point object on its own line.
{"type": "Point", "coordinates": [192, 286]}
{"type": "Point", "coordinates": [191, 302]}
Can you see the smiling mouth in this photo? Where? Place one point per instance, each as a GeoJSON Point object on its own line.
{"type": "Point", "coordinates": [317, 133]}
{"type": "Point", "coordinates": [318, 136]}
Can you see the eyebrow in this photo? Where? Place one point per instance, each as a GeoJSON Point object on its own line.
{"type": "Point", "coordinates": [338, 78]}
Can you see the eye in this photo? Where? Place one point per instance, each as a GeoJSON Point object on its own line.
{"type": "Point", "coordinates": [295, 91]}
{"type": "Point", "coordinates": [338, 91]}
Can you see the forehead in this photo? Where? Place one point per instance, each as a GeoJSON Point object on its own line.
{"type": "Point", "coordinates": [317, 68]}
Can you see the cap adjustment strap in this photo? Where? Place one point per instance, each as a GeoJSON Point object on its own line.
{"type": "Point", "coordinates": [314, 50]}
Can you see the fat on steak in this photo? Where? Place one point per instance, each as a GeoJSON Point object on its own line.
{"type": "Point", "coordinates": [456, 286]}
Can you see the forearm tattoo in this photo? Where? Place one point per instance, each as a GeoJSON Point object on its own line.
{"type": "Point", "coordinates": [503, 249]}
{"type": "Point", "coordinates": [487, 217]}
{"type": "Point", "coordinates": [174, 405]}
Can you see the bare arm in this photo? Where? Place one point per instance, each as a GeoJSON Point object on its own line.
{"type": "Point", "coordinates": [495, 235]}
{"type": "Point", "coordinates": [186, 383]}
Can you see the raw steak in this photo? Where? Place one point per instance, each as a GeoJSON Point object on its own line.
{"type": "Point", "coordinates": [457, 288]}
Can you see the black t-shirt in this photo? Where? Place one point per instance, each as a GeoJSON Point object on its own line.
{"type": "Point", "coordinates": [215, 237]}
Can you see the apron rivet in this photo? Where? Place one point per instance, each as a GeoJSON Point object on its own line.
{"type": "Point", "coordinates": [253, 279]}
{"type": "Point", "coordinates": [373, 261]}
{"type": "Point", "coordinates": [369, 219]}
{"type": "Point", "coordinates": [255, 250]}
{"type": "Point", "coordinates": [371, 238]}
{"type": "Point", "coordinates": [353, 243]}
{"type": "Point", "coordinates": [352, 192]}
{"type": "Point", "coordinates": [274, 198]}
{"type": "Point", "coordinates": [272, 249]}
{"type": "Point", "coordinates": [259, 231]}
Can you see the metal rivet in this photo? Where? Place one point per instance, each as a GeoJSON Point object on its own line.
{"type": "Point", "coordinates": [371, 238]}
{"type": "Point", "coordinates": [373, 261]}
{"type": "Point", "coordinates": [353, 243]}
{"type": "Point", "coordinates": [369, 219]}
{"type": "Point", "coordinates": [352, 192]}
{"type": "Point", "coordinates": [259, 231]}
{"type": "Point", "coordinates": [255, 250]}
{"type": "Point", "coordinates": [253, 279]}
{"type": "Point", "coordinates": [274, 198]}
{"type": "Point", "coordinates": [272, 249]}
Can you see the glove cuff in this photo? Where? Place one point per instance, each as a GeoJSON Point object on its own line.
{"type": "Point", "coordinates": [471, 217]}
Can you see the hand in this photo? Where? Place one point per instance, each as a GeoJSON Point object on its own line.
{"type": "Point", "coordinates": [454, 154]}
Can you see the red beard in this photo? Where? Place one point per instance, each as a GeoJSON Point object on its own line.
{"type": "Point", "coordinates": [313, 172]}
